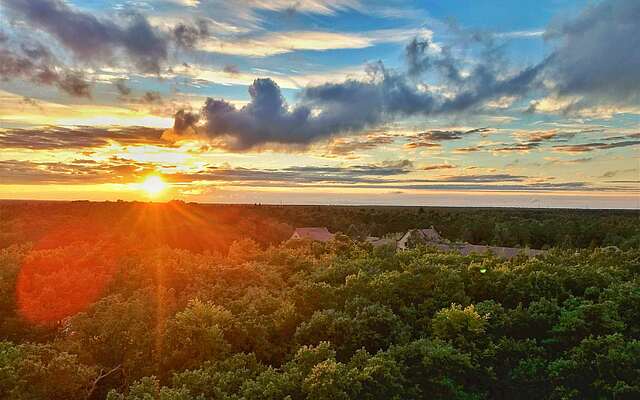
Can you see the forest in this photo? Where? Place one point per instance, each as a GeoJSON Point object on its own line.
{"type": "Point", "coordinates": [180, 301]}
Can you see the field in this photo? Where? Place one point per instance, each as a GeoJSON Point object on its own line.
{"type": "Point", "coordinates": [187, 301]}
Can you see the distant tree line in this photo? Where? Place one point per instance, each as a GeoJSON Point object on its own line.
{"type": "Point", "coordinates": [218, 226]}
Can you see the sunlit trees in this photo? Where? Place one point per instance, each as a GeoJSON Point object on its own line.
{"type": "Point", "coordinates": [220, 318]}
{"type": "Point", "coordinates": [31, 371]}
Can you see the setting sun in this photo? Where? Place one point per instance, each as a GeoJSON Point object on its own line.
{"type": "Point", "coordinates": [153, 185]}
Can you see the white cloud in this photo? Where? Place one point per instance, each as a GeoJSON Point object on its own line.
{"type": "Point", "coordinates": [287, 81]}
{"type": "Point", "coordinates": [274, 43]}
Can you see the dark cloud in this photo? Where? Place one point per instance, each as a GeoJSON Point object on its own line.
{"type": "Point", "coordinates": [151, 97]}
{"type": "Point", "coordinates": [188, 36]}
{"type": "Point", "coordinates": [427, 139]}
{"type": "Point", "coordinates": [184, 120]}
{"type": "Point", "coordinates": [586, 147]}
{"type": "Point", "coordinates": [597, 52]}
{"type": "Point", "coordinates": [51, 138]}
{"type": "Point", "coordinates": [35, 63]}
{"type": "Point", "coordinates": [518, 147]}
{"type": "Point", "coordinates": [441, 135]}
{"type": "Point", "coordinates": [92, 40]}
{"type": "Point", "coordinates": [267, 119]}
{"type": "Point", "coordinates": [122, 88]}
{"type": "Point", "coordinates": [75, 84]}
{"type": "Point", "coordinates": [488, 78]}
{"type": "Point", "coordinates": [347, 107]}
{"type": "Point", "coordinates": [231, 69]}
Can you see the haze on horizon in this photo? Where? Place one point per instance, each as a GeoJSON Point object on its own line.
{"type": "Point", "coordinates": [529, 103]}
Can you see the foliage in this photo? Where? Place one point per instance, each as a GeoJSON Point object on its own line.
{"type": "Point", "coordinates": [179, 318]}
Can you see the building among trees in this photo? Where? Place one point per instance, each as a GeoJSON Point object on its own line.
{"type": "Point", "coordinates": [320, 234]}
{"type": "Point", "coordinates": [416, 236]}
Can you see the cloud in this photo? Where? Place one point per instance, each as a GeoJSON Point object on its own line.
{"type": "Point", "coordinates": [324, 111]}
{"type": "Point", "coordinates": [53, 138]}
{"type": "Point", "coordinates": [488, 79]}
{"type": "Point", "coordinates": [390, 175]}
{"type": "Point", "coordinates": [328, 109]}
{"type": "Point", "coordinates": [265, 44]}
{"type": "Point", "coordinates": [416, 145]}
{"type": "Point", "coordinates": [349, 146]}
{"type": "Point", "coordinates": [74, 84]}
{"type": "Point", "coordinates": [427, 139]}
{"type": "Point", "coordinates": [268, 119]}
{"type": "Point", "coordinates": [122, 88]}
{"type": "Point", "coordinates": [188, 36]}
{"type": "Point", "coordinates": [274, 43]}
{"type": "Point", "coordinates": [321, 7]}
{"type": "Point", "coordinates": [114, 170]}
{"type": "Point", "coordinates": [611, 174]}
{"type": "Point", "coordinates": [92, 40]}
{"type": "Point", "coordinates": [350, 106]}
{"type": "Point", "coordinates": [151, 97]}
{"type": "Point", "coordinates": [597, 53]}
{"type": "Point", "coordinates": [377, 177]}
{"type": "Point", "coordinates": [231, 69]}
{"type": "Point", "coordinates": [35, 63]}
{"type": "Point", "coordinates": [586, 147]}
{"type": "Point", "coordinates": [433, 167]}
{"type": "Point", "coordinates": [518, 147]}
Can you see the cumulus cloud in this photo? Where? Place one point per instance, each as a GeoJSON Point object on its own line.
{"type": "Point", "coordinates": [93, 40]}
{"type": "Point", "coordinates": [268, 119]}
{"type": "Point", "coordinates": [324, 110]}
{"type": "Point", "coordinates": [353, 105]}
{"type": "Point", "coordinates": [597, 53]}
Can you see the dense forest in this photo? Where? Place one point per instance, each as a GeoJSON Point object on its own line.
{"type": "Point", "coordinates": [135, 301]}
{"type": "Point", "coordinates": [219, 225]}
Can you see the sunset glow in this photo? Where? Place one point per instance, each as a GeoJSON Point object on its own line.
{"type": "Point", "coordinates": [322, 102]}
{"type": "Point", "coordinates": [319, 199]}
{"type": "Point", "coordinates": [153, 186]}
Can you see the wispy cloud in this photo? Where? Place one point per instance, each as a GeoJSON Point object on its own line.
{"type": "Point", "coordinates": [274, 43]}
{"type": "Point", "coordinates": [51, 138]}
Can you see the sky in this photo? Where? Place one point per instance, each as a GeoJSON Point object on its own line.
{"type": "Point", "coordinates": [448, 103]}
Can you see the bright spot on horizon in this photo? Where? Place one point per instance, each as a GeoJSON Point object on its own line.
{"type": "Point", "coordinates": [153, 185]}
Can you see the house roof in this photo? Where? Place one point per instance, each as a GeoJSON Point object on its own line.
{"type": "Point", "coordinates": [321, 234]}
{"type": "Point", "coordinates": [430, 234]}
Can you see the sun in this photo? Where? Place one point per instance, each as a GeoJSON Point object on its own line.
{"type": "Point", "coordinates": [153, 185]}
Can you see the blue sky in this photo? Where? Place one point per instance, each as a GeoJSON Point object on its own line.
{"type": "Point", "coordinates": [472, 102]}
